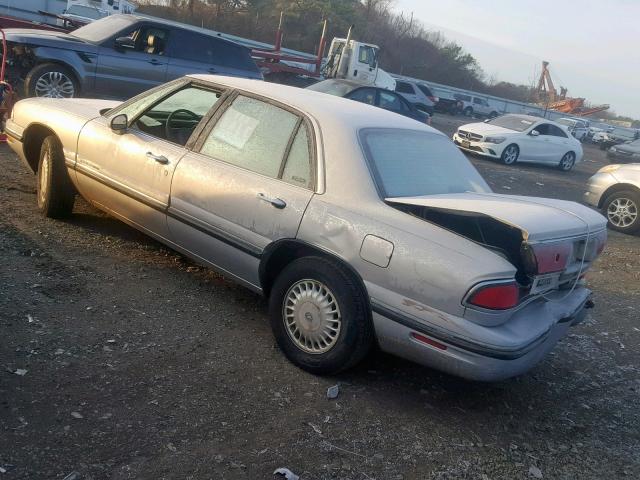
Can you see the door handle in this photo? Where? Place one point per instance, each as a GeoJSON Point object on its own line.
{"type": "Point", "coordinates": [158, 158]}
{"type": "Point", "coordinates": [276, 202]}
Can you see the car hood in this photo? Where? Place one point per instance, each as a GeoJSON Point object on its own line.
{"type": "Point", "coordinates": [486, 129]}
{"type": "Point", "coordinates": [82, 107]}
{"type": "Point", "coordinates": [47, 38]}
{"type": "Point", "coordinates": [539, 219]}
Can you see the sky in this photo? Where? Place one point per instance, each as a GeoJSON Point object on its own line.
{"type": "Point", "coordinates": [593, 46]}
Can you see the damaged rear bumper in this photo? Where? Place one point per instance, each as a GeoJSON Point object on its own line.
{"type": "Point", "coordinates": [472, 358]}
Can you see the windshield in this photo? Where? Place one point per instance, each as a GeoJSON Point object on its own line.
{"type": "Point", "coordinates": [82, 11]}
{"type": "Point", "coordinates": [339, 89]}
{"type": "Point", "coordinates": [409, 163]}
{"type": "Point", "coordinates": [512, 122]}
{"type": "Point", "coordinates": [103, 29]}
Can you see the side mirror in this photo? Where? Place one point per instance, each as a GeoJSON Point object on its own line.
{"type": "Point", "coordinates": [535, 133]}
{"type": "Point", "coordinates": [125, 42]}
{"type": "Point", "coordinates": [119, 123]}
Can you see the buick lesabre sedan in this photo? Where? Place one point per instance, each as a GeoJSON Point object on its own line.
{"type": "Point", "coordinates": [521, 138]}
{"type": "Point", "coordinates": [361, 226]}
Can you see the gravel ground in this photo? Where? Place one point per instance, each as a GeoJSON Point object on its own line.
{"type": "Point", "coordinates": [121, 359]}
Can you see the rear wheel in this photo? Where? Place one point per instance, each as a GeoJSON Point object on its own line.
{"type": "Point", "coordinates": [51, 80]}
{"type": "Point", "coordinates": [567, 162]}
{"type": "Point", "coordinates": [493, 115]}
{"type": "Point", "coordinates": [55, 193]}
{"type": "Point", "coordinates": [510, 154]}
{"type": "Point", "coordinates": [319, 316]}
{"type": "Point", "coordinates": [468, 112]}
{"type": "Point", "coordinates": [623, 211]}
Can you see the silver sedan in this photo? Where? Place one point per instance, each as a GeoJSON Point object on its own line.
{"type": "Point", "coordinates": [615, 189]}
{"type": "Point", "coordinates": [361, 226]}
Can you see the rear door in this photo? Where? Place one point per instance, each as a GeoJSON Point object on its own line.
{"type": "Point", "coordinates": [193, 52]}
{"type": "Point", "coordinates": [123, 72]}
{"type": "Point", "coordinates": [246, 184]}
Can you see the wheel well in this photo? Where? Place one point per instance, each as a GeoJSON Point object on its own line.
{"type": "Point", "coordinates": [282, 252]}
{"type": "Point", "coordinates": [32, 140]}
{"type": "Point", "coordinates": [618, 187]}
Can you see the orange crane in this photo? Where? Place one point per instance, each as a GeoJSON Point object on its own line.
{"type": "Point", "coordinates": [548, 97]}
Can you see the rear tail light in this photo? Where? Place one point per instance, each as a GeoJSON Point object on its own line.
{"type": "Point", "coordinates": [547, 258]}
{"type": "Point", "coordinates": [496, 296]}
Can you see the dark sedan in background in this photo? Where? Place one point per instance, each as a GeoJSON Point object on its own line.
{"type": "Point", "coordinates": [378, 97]}
{"type": "Point", "coordinates": [625, 153]}
{"type": "Point", "coordinates": [118, 57]}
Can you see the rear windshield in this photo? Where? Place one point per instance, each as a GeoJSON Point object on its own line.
{"type": "Point", "coordinates": [512, 122]}
{"type": "Point", "coordinates": [339, 89]}
{"type": "Point", "coordinates": [409, 163]}
{"type": "Point", "coordinates": [103, 29]}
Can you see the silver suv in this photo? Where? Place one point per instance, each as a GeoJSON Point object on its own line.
{"type": "Point", "coordinates": [418, 93]}
{"type": "Point", "coordinates": [476, 106]}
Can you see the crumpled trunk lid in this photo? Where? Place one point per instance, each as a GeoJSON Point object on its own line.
{"type": "Point", "coordinates": [545, 239]}
{"type": "Point", "coordinates": [539, 219]}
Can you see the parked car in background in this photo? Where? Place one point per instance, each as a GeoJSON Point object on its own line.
{"type": "Point", "coordinates": [80, 15]}
{"type": "Point", "coordinates": [521, 138]}
{"type": "Point", "coordinates": [378, 97]}
{"type": "Point", "coordinates": [617, 136]}
{"type": "Point", "coordinates": [362, 227]}
{"type": "Point", "coordinates": [119, 56]}
{"type": "Point", "coordinates": [615, 190]}
{"type": "Point", "coordinates": [447, 104]}
{"type": "Point", "coordinates": [417, 93]}
{"type": "Point", "coordinates": [628, 152]}
{"type": "Point", "coordinates": [577, 127]}
{"type": "Point", "coordinates": [475, 106]}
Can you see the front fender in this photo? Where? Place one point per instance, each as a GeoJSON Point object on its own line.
{"type": "Point", "coordinates": [82, 64]}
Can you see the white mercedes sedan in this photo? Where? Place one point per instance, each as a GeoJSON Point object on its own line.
{"type": "Point", "coordinates": [521, 138]}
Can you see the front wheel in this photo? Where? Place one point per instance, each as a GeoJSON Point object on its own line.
{"type": "Point", "coordinates": [55, 192]}
{"type": "Point", "coordinates": [468, 112]}
{"type": "Point", "coordinates": [623, 211]}
{"type": "Point", "coordinates": [567, 162]}
{"type": "Point", "coordinates": [51, 80]}
{"type": "Point", "coordinates": [510, 154]}
{"type": "Point", "coordinates": [319, 316]}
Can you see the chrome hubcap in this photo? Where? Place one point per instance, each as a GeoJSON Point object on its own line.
{"type": "Point", "coordinates": [54, 85]}
{"type": "Point", "coordinates": [567, 161]}
{"type": "Point", "coordinates": [44, 175]}
{"type": "Point", "coordinates": [622, 212]}
{"type": "Point", "coordinates": [510, 155]}
{"type": "Point", "coordinates": [312, 316]}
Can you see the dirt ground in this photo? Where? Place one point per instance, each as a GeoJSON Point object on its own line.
{"type": "Point", "coordinates": [140, 364]}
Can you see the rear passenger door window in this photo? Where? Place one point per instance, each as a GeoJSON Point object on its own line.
{"type": "Point", "coordinates": [364, 95]}
{"type": "Point", "coordinates": [391, 101]}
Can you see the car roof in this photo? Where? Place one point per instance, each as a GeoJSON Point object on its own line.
{"type": "Point", "coordinates": [326, 108]}
{"type": "Point", "coordinates": [170, 23]}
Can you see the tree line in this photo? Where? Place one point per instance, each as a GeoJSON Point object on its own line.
{"type": "Point", "coordinates": [407, 47]}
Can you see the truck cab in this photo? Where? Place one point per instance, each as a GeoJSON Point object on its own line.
{"type": "Point", "coordinates": [357, 61]}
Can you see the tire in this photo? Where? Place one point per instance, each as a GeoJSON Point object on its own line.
{"type": "Point", "coordinates": [55, 193]}
{"type": "Point", "coordinates": [493, 115]}
{"type": "Point", "coordinates": [347, 314]}
{"type": "Point", "coordinates": [510, 154]}
{"type": "Point", "coordinates": [567, 162]}
{"type": "Point", "coordinates": [51, 80]}
{"type": "Point", "coordinates": [468, 112]}
{"type": "Point", "coordinates": [614, 207]}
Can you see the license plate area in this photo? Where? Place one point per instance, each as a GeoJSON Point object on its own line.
{"type": "Point", "coordinates": [545, 283]}
{"type": "Point", "coordinates": [465, 143]}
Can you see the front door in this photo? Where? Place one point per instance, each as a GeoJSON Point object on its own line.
{"type": "Point", "coordinates": [130, 173]}
{"type": "Point", "coordinates": [247, 186]}
{"type": "Point", "coordinates": [125, 71]}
